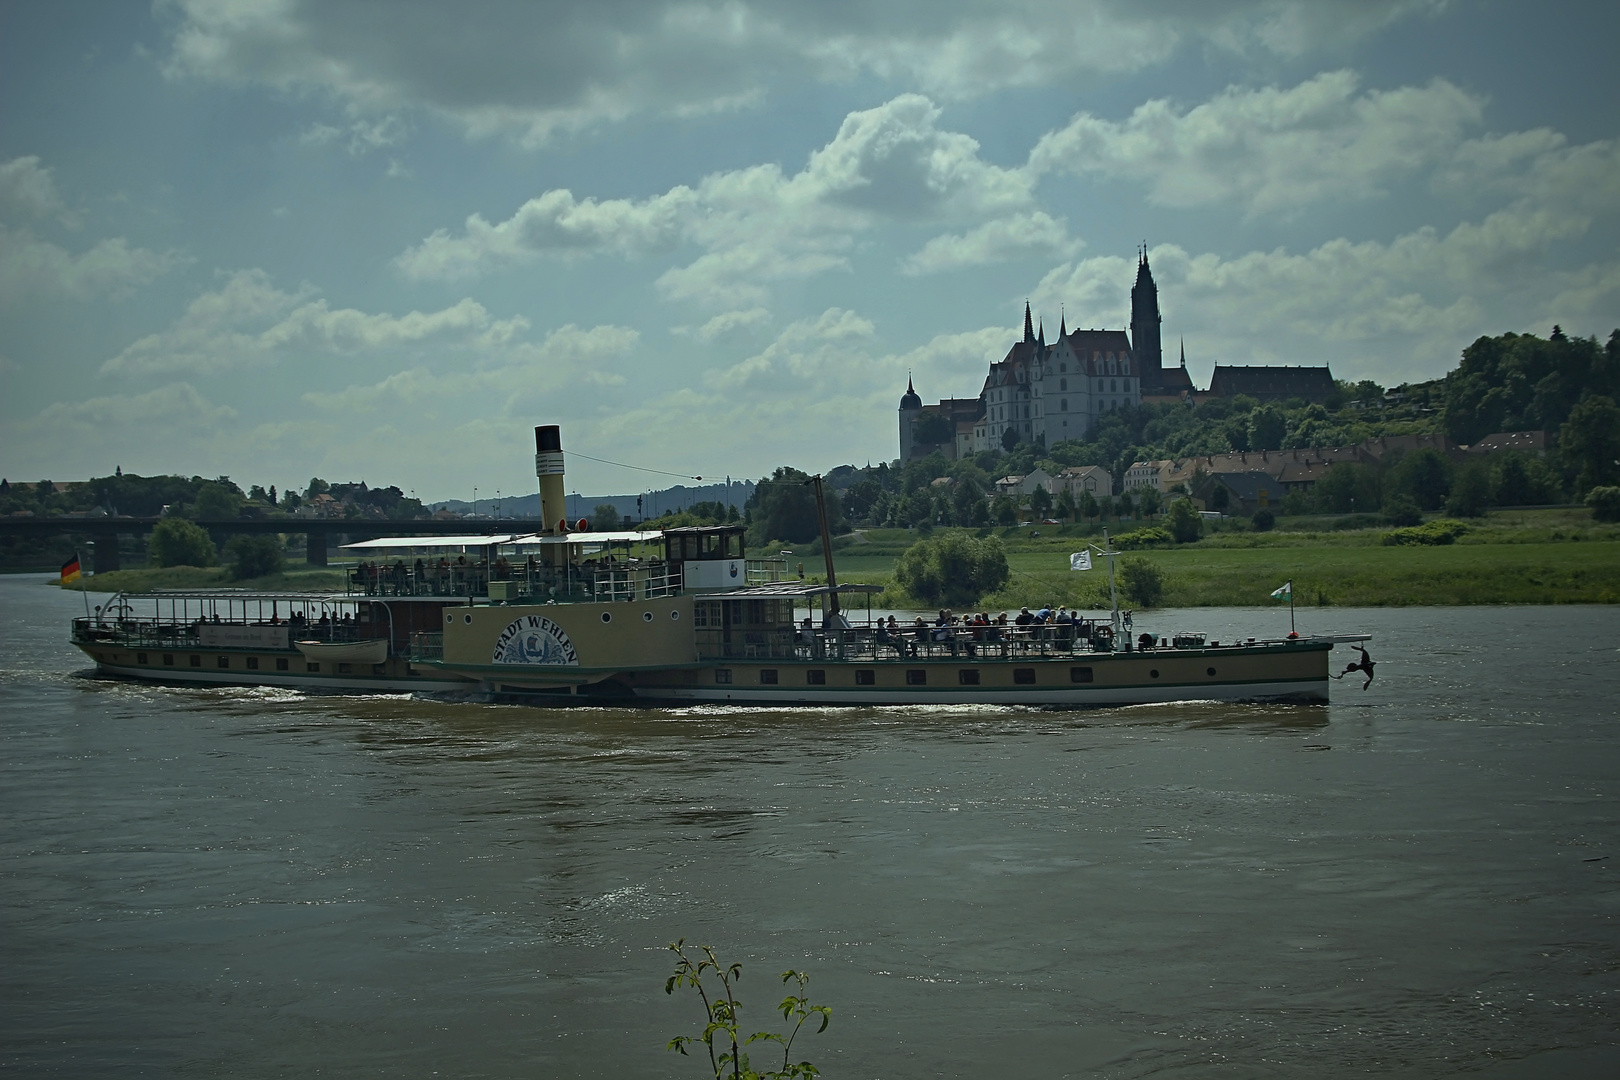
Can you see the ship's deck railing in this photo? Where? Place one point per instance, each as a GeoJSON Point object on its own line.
{"type": "Point", "coordinates": [765, 571]}
{"type": "Point", "coordinates": [873, 643]}
{"type": "Point", "coordinates": [427, 645]}
{"type": "Point", "coordinates": [615, 581]}
{"type": "Point", "coordinates": [166, 634]}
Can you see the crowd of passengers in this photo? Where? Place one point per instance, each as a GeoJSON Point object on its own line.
{"type": "Point", "coordinates": [463, 577]}
{"type": "Point", "coordinates": [980, 632]}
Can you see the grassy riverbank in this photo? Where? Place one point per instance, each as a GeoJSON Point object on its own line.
{"type": "Point", "coordinates": [1513, 557]}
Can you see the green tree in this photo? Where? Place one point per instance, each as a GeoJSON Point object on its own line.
{"type": "Point", "coordinates": [1219, 497]}
{"type": "Point", "coordinates": [953, 569]}
{"type": "Point", "coordinates": [1183, 521]}
{"type": "Point", "coordinates": [1009, 439]}
{"type": "Point", "coordinates": [1088, 505]}
{"type": "Point", "coordinates": [317, 486]}
{"type": "Point", "coordinates": [1140, 581]}
{"type": "Point", "coordinates": [1149, 499]}
{"type": "Point", "coordinates": [605, 518]}
{"type": "Point", "coordinates": [1423, 474]}
{"type": "Point", "coordinates": [1040, 501]}
{"type": "Point", "coordinates": [216, 502]}
{"type": "Point", "coordinates": [1470, 491]}
{"type": "Point", "coordinates": [1590, 442]}
{"type": "Point", "coordinates": [177, 542]}
{"type": "Point", "coordinates": [254, 556]}
{"type": "Point", "coordinates": [1267, 427]}
{"type": "Point", "coordinates": [1065, 505]}
{"type": "Point", "coordinates": [1004, 511]}
{"type": "Point", "coordinates": [1605, 503]}
{"type": "Point", "coordinates": [1402, 510]}
{"type": "Point", "coordinates": [784, 508]}
{"type": "Point", "coordinates": [1264, 520]}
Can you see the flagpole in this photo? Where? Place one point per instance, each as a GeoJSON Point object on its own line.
{"type": "Point", "coordinates": [80, 583]}
{"type": "Point", "coordinates": [1291, 630]}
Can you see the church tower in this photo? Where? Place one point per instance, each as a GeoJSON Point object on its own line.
{"type": "Point", "coordinates": [910, 408]}
{"type": "Point", "coordinates": [1145, 320]}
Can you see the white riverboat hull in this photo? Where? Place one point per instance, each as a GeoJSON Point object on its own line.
{"type": "Point", "coordinates": [1306, 692]}
{"type": "Point", "coordinates": [288, 680]}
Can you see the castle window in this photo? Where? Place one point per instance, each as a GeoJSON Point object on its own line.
{"type": "Point", "coordinates": [1063, 384]}
{"type": "Point", "coordinates": [1115, 387]}
{"type": "Point", "coordinates": [1124, 365]}
{"type": "Point", "coordinates": [1063, 405]}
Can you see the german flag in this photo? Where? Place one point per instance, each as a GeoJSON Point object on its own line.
{"type": "Point", "coordinates": [70, 570]}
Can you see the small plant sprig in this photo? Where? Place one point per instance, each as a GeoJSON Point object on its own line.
{"type": "Point", "coordinates": [721, 1033]}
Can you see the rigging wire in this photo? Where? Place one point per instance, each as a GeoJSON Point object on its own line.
{"type": "Point", "coordinates": [640, 468]}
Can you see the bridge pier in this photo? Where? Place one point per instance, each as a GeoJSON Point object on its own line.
{"type": "Point", "coordinates": [105, 557]}
{"type": "Point", "coordinates": [315, 547]}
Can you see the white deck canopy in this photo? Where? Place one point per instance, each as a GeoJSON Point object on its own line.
{"type": "Point", "coordinates": [459, 543]}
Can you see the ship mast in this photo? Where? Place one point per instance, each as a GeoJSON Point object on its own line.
{"type": "Point", "coordinates": [826, 551]}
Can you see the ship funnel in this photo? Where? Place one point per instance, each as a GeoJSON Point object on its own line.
{"type": "Point", "coordinates": [548, 466]}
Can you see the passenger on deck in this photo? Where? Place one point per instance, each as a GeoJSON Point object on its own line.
{"type": "Point", "coordinates": [1024, 618]}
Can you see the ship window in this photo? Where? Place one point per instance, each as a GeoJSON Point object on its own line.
{"type": "Point", "coordinates": [196, 661]}
{"type": "Point", "coordinates": [281, 663]}
{"type": "Point", "coordinates": [1023, 675]}
{"type": "Point", "coordinates": [140, 658]}
{"type": "Point", "coordinates": [1079, 674]}
{"type": "Point", "coordinates": [344, 669]}
{"type": "Point", "coordinates": [607, 616]}
{"type": "Point", "coordinates": [865, 677]}
{"type": "Point", "coordinates": [816, 677]}
{"type": "Point", "coordinates": [646, 616]}
{"type": "Point", "coordinates": [916, 677]}
{"type": "Point", "coordinates": [312, 666]}
{"type": "Point", "coordinates": [968, 676]}
{"type": "Point", "coordinates": [168, 659]}
{"type": "Point", "coordinates": [767, 676]}
{"type": "Point", "coordinates": [722, 675]}
{"type": "Point", "coordinates": [1154, 673]}
{"type": "Point", "coordinates": [1210, 672]}
{"type": "Point", "coordinates": [253, 663]}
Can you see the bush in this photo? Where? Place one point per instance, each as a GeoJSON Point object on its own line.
{"type": "Point", "coordinates": [1264, 520]}
{"type": "Point", "coordinates": [1605, 503]}
{"type": "Point", "coordinates": [1141, 538]}
{"type": "Point", "coordinates": [1439, 531]}
{"type": "Point", "coordinates": [1141, 581]}
{"type": "Point", "coordinates": [1402, 510]}
{"type": "Point", "coordinates": [1183, 521]}
{"type": "Point", "coordinates": [254, 556]}
{"type": "Point", "coordinates": [175, 542]}
{"type": "Point", "coordinates": [953, 569]}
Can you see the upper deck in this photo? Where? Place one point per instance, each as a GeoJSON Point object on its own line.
{"type": "Point", "coordinates": [576, 567]}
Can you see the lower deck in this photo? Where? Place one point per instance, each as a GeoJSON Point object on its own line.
{"type": "Point", "coordinates": [246, 667]}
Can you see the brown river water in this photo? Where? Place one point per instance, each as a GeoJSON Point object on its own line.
{"type": "Point", "coordinates": [1419, 880]}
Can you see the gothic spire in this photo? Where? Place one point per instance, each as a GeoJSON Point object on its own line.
{"type": "Point", "coordinates": [1063, 324]}
{"type": "Point", "coordinates": [1029, 327]}
{"type": "Point", "coordinates": [1183, 352]}
{"type": "Point", "coordinates": [1041, 335]}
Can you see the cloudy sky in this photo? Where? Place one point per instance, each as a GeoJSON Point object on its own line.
{"type": "Point", "coordinates": [382, 240]}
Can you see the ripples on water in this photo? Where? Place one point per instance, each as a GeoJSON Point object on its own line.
{"type": "Point", "coordinates": [1419, 880]}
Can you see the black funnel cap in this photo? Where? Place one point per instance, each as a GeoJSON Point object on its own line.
{"type": "Point", "coordinates": [548, 439]}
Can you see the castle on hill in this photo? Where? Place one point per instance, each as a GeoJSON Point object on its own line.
{"type": "Point", "coordinates": [1046, 393]}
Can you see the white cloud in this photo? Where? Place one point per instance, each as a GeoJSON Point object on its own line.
{"type": "Point", "coordinates": [1396, 311]}
{"type": "Point", "coordinates": [27, 190]}
{"type": "Point", "coordinates": [822, 352]}
{"type": "Point", "coordinates": [522, 377]}
{"type": "Point", "coordinates": [1015, 237]}
{"type": "Point", "coordinates": [1273, 151]}
{"type": "Point", "coordinates": [248, 321]}
{"type": "Point", "coordinates": [759, 225]}
{"type": "Point", "coordinates": [533, 69]}
{"type": "Point", "coordinates": [727, 324]}
{"type": "Point", "coordinates": [32, 267]}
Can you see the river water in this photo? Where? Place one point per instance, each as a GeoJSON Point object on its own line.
{"type": "Point", "coordinates": [1420, 880]}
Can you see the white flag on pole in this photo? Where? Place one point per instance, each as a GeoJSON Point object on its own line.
{"type": "Point", "coordinates": [1284, 593]}
{"type": "Point", "coordinates": [1080, 560]}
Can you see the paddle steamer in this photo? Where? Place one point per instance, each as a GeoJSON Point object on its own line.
{"type": "Point", "coordinates": [677, 616]}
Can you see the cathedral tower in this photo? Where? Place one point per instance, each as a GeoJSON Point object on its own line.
{"type": "Point", "coordinates": [1145, 320]}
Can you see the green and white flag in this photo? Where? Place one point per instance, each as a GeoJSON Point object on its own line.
{"type": "Point", "coordinates": [1284, 593]}
{"type": "Point", "coordinates": [1080, 560]}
